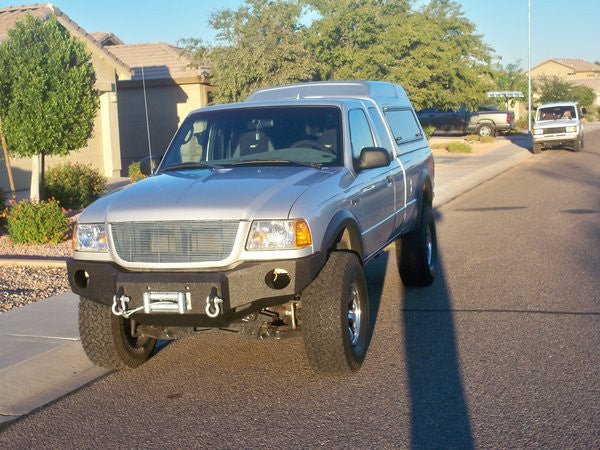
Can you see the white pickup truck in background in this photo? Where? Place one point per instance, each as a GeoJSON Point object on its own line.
{"type": "Point", "coordinates": [558, 124]}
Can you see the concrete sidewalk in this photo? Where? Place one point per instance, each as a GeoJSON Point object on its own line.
{"type": "Point", "coordinates": [41, 358]}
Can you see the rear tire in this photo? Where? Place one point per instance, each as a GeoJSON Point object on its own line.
{"type": "Point", "coordinates": [107, 338]}
{"type": "Point", "coordinates": [537, 149]}
{"type": "Point", "coordinates": [416, 252]}
{"type": "Point", "coordinates": [335, 316]}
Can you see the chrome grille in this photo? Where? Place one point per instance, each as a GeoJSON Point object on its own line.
{"type": "Point", "coordinates": [555, 130]}
{"type": "Point", "coordinates": [174, 242]}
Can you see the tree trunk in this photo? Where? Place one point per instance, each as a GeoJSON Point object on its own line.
{"type": "Point", "coordinates": [11, 182]}
{"type": "Point", "coordinates": [34, 191]}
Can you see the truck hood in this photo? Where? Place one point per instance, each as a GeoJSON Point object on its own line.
{"type": "Point", "coordinates": [556, 123]}
{"type": "Point", "coordinates": [240, 193]}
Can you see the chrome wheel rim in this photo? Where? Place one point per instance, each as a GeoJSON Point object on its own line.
{"type": "Point", "coordinates": [354, 314]}
{"type": "Point", "coordinates": [429, 246]}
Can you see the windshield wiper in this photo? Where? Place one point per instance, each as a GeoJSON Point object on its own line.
{"type": "Point", "coordinates": [254, 162]}
{"type": "Point", "coordinates": [192, 165]}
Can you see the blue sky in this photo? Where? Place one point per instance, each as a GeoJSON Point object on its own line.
{"type": "Point", "coordinates": [560, 29]}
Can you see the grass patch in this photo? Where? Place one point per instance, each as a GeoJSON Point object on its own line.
{"type": "Point", "coordinates": [459, 147]}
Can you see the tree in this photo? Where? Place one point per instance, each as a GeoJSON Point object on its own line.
{"type": "Point", "coordinates": [433, 52]}
{"type": "Point", "coordinates": [260, 44]}
{"type": "Point", "coordinates": [47, 97]}
{"type": "Point", "coordinates": [553, 89]}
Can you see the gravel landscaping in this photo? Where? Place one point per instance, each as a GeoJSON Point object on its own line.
{"type": "Point", "coordinates": [20, 285]}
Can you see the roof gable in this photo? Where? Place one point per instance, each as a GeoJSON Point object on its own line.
{"type": "Point", "coordinates": [158, 61]}
{"type": "Point", "coordinates": [9, 16]}
{"type": "Point", "coordinates": [577, 65]}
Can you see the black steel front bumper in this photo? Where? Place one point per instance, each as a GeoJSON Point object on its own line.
{"type": "Point", "coordinates": [244, 288]}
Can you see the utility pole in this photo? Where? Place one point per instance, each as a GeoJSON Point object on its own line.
{"type": "Point", "coordinates": [529, 65]}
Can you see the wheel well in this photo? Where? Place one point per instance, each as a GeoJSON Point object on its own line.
{"type": "Point", "coordinates": [348, 239]}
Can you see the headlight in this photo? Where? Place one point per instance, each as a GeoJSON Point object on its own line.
{"type": "Point", "coordinates": [90, 238]}
{"type": "Point", "coordinates": [537, 131]}
{"type": "Point", "coordinates": [278, 235]}
{"type": "Point", "coordinates": [571, 129]}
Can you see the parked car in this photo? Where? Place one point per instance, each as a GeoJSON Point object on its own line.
{"type": "Point", "coordinates": [259, 219]}
{"type": "Point", "coordinates": [558, 124]}
{"type": "Point", "coordinates": [487, 122]}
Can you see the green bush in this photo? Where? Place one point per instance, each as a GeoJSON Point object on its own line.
{"type": "Point", "coordinates": [486, 139]}
{"type": "Point", "coordinates": [428, 130]}
{"type": "Point", "coordinates": [458, 147]}
{"type": "Point", "coordinates": [134, 172]}
{"type": "Point", "coordinates": [37, 223]}
{"type": "Point", "coordinates": [74, 185]}
{"type": "Point", "coordinates": [472, 138]}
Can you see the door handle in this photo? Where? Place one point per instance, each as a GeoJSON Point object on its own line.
{"type": "Point", "coordinates": [390, 180]}
{"type": "Point", "coordinates": [367, 189]}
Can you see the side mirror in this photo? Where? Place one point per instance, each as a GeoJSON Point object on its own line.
{"type": "Point", "coordinates": [373, 157]}
{"type": "Point", "coordinates": [583, 111]}
{"type": "Point", "coordinates": [148, 165]}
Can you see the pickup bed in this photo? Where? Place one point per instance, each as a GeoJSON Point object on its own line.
{"type": "Point", "coordinates": [259, 219]}
{"type": "Point", "coordinates": [483, 123]}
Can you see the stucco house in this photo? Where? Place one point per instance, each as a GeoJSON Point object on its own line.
{"type": "Point", "coordinates": [120, 134]}
{"type": "Point", "coordinates": [576, 71]}
{"type": "Point", "coordinates": [172, 89]}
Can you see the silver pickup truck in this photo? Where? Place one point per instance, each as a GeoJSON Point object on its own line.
{"type": "Point", "coordinates": [260, 219]}
{"type": "Point", "coordinates": [486, 122]}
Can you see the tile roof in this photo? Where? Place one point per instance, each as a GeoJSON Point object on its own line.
{"type": "Point", "coordinates": [578, 65]}
{"type": "Point", "coordinates": [106, 38]}
{"type": "Point", "coordinates": [10, 15]}
{"type": "Point", "coordinates": [158, 60]}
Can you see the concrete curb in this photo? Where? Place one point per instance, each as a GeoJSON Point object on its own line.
{"type": "Point", "coordinates": [452, 189]}
{"type": "Point", "coordinates": [37, 262]}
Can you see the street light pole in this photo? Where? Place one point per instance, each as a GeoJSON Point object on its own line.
{"type": "Point", "coordinates": [529, 64]}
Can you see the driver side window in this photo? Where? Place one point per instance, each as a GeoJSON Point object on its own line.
{"type": "Point", "coordinates": [360, 132]}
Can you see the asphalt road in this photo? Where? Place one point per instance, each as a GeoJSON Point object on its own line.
{"type": "Point", "coordinates": [502, 351]}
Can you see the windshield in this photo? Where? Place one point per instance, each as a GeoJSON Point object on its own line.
{"type": "Point", "coordinates": [245, 136]}
{"type": "Point", "coordinates": [556, 113]}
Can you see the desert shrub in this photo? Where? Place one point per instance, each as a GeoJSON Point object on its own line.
{"type": "Point", "coordinates": [458, 147]}
{"type": "Point", "coordinates": [472, 138]}
{"type": "Point", "coordinates": [486, 139]}
{"type": "Point", "coordinates": [428, 130]}
{"type": "Point", "coordinates": [439, 145]}
{"type": "Point", "coordinates": [134, 172]}
{"type": "Point", "coordinates": [74, 185]}
{"type": "Point", "coordinates": [37, 223]}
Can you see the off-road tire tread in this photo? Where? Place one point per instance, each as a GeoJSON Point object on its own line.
{"type": "Point", "coordinates": [326, 345]}
{"type": "Point", "coordinates": [101, 340]}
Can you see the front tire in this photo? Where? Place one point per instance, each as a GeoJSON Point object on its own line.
{"type": "Point", "coordinates": [416, 252]}
{"type": "Point", "coordinates": [486, 129]}
{"type": "Point", "coordinates": [577, 145]}
{"type": "Point", "coordinates": [107, 339]}
{"type": "Point", "coordinates": [335, 316]}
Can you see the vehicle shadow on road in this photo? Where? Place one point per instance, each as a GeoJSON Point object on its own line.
{"type": "Point", "coordinates": [439, 409]}
{"type": "Point", "coordinates": [522, 140]}
{"type": "Point", "coordinates": [376, 273]}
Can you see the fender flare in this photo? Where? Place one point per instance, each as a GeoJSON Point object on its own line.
{"type": "Point", "coordinates": [341, 223]}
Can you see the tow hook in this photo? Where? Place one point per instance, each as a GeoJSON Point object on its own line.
{"type": "Point", "coordinates": [213, 304]}
{"type": "Point", "coordinates": [119, 306]}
